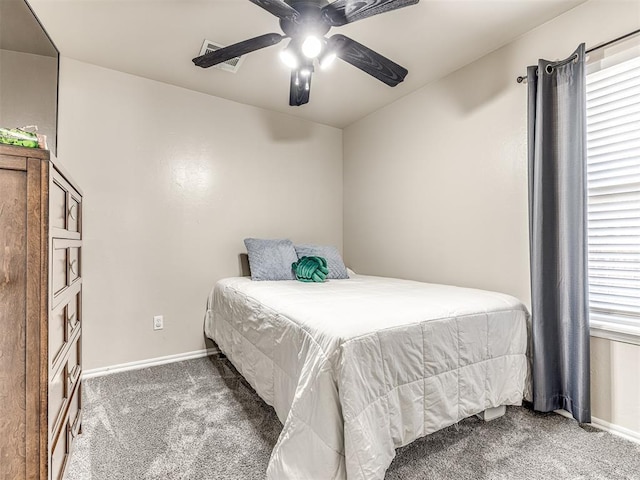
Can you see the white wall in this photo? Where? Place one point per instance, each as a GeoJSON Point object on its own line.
{"type": "Point", "coordinates": [173, 181]}
{"type": "Point", "coordinates": [435, 184]}
{"type": "Point", "coordinates": [615, 393]}
{"type": "Point", "coordinates": [28, 92]}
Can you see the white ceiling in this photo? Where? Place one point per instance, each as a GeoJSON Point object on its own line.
{"type": "Point", "coordinates": [158, 38]}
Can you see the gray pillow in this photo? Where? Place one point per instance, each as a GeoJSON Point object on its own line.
{"type": "Point", "coordinates": [337, 270]}
{"type": "Point", "coordinates": [271, 259]}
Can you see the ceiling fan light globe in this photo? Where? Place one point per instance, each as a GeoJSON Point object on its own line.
{"type": "Point", "coordinates": [289, 58]}
{"type": "Point", "coordinates": [327, 59]}
{"type": "Point", "coordinates": [311, 47]}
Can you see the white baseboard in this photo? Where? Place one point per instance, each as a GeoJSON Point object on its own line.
{"type": "Point", "coordinates": [608, 427]}
{"type": "Point", "coordinates": [616, 430]}
{"type": "Point", "coordinates": [124, 367]}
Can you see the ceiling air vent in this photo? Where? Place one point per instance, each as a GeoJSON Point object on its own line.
{"type": "Point", "coordinates": [232, 65]}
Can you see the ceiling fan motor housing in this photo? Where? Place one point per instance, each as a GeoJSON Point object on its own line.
{"type": "Point", "coordinates": [310, 21]}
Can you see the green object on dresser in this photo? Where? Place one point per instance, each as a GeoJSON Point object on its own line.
{"type": "Point", "coordinates": [19, 137]}
{"type": "Point", "coordinates": [311, 269]}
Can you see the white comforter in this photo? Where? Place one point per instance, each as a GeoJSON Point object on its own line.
{"type": "Point", "coordinates": [357, 368]}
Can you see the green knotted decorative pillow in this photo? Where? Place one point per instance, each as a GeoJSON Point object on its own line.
{"type": "Point", "coordinates": [311, 269]}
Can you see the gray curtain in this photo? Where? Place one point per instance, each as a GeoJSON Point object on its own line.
{"type": "Point", "coordinates": [558, 243]}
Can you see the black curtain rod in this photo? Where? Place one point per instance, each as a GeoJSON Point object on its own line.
{"type": "Point", "coordinates": [597, 47]}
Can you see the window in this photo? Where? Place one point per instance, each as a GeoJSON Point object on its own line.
{"type": "Point", "coordinates": [613, 179]}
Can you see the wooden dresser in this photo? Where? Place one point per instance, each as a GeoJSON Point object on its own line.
{"type": "Point", "coordinates": [40, 315]}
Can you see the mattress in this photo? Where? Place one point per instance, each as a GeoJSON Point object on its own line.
{"type": "Point", "coordinates": [357, 368]}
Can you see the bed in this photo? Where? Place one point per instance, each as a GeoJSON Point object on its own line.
{"type": "Point", "coordinates": [359, 367]}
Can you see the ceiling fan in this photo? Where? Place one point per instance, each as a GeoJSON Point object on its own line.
{"type": "Point", "coordinates": [306, 22]}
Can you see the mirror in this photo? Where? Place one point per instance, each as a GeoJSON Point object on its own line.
{"type": "Point", "coordinates": [29, 63]}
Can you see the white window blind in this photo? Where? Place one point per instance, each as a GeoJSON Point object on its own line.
{"type": "Point", "coordinates": [613, 178]}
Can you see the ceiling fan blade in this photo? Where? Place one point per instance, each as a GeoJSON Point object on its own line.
{"type": "Point", "coordinates": [300, 88]}
{"type": "Point", "coordinates": [237, 49]}
{"type": "Point", "coordinates": [278, 8]}
{"type": "Point", "coordinates": [367, 60]}
{"type": "Point", "coordinates": [342, 12]}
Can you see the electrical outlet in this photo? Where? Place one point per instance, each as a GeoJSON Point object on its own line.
{"type": "Point", "coordinates": [158, 322]}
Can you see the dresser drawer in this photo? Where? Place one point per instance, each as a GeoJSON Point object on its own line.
{"type": "Point", "coordinates": [73, 214]}
{"type": "Point", "coordinates": [63, 382]}
{"type": "Point", "coordinates": [64, 323]}
{"type": "Point", "coordinates": [57, 206]}
{"type": "Point", "coordinates": [74, 312]}
{"type": "Point", "coordinates": [74, 362]}
{"type": "Point", "coordinates": [60, 453]}
{"type": "Point", "coordinates": [66, 264]}
{"type": "Point", "coordinates": [65, 208]}
{"type": "Point", "coordinates": [74, 264]}
{"type": "Point", "coordinates": [75, 412]}
{"type": "Point", "coordinates": [66, 435]}
{"type": "Point", "coordinates": [59, 267]}
{"type": "Point", "coordinates": [59, 391]}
